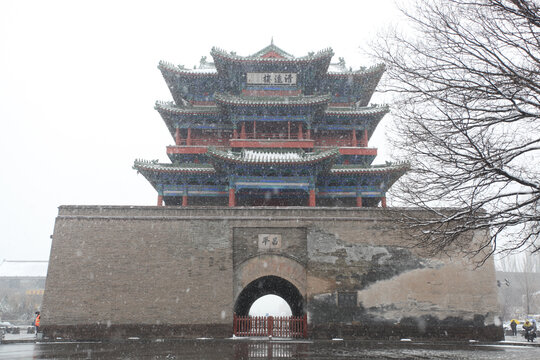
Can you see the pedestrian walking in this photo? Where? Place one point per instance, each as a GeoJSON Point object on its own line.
{"type": "Point", "coordinates": [37, 321]}
{"type": "Point", "coordinates": [513, 326]}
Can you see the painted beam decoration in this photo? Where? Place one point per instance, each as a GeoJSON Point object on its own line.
{"type": "Point", "coordinates": [271, 129]}
{"type": "Point", "coordinates": [271, 78]}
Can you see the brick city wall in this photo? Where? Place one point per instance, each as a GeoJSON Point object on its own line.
{"type": "Point", "coordinates": [167, 271]}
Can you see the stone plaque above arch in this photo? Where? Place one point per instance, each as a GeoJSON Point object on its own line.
{"type": "Point", "coordinates": [249, 242]}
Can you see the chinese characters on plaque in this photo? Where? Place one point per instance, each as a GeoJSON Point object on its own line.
{"type": "Point", "coordinates": [269, 241]}
{"type": "Point", "coordinates": [271, 78]}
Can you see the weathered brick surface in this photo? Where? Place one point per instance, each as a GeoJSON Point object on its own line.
{"type": "Point", "coordinates": [118, 267]}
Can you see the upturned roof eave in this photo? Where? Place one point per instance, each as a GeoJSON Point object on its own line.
{"type": "Point", "coordinates": [361, 73]}
{"type": "Point", "coordinates": [221, 155]}
{"type": "Point", "coordinates": [167, 67]}
{"type": "Point", "coordinates": [364, 111]}
{"type": "Point", "coordinates": [374, 170]}
{"type": "Point", "coordinates": [196, 110]}
{"type": "Point", "coordinates": [152, 166]}
{"type": "Point", "coordinates": [287, 101]}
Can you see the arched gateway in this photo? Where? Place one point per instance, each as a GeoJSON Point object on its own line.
{"type": "Point", "coordinates": [280, 326]}
{"type": "Point", "coordinates": [269, 265]}
{"type": "Point", "coordinates": [269, 285]}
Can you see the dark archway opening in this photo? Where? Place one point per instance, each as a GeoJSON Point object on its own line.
{"type": "Point", "coordinates": [269, 285]}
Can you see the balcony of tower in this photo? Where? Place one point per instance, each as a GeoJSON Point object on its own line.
{"type": "Point", "coordinates": [285, 134]}
{"type": "Point", "coordinates": [353, 148]}
{"type": "Point", "coordinates": [192, 144]}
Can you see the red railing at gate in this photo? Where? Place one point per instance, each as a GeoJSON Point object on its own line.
{"type": "Point", "coordinates": [274, 326]}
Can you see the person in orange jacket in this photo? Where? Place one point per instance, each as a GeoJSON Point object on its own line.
{"type": "Point", "coordinates": [37, 321]}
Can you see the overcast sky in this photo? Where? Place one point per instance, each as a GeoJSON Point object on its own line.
{"type": "Point", "coordinates": [78, 82]}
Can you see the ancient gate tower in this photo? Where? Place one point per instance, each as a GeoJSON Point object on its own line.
{"type": "Point", "coordinates": [270, 190]}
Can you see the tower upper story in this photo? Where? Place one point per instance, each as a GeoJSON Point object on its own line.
{"type": "Point", "coordinates": [271, 125]}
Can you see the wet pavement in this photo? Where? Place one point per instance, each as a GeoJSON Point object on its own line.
{"type": "Point", "coordinates": [243, 349]}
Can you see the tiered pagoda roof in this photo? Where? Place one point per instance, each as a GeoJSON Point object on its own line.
{"type": "Point", "coordinates": [270, 120]}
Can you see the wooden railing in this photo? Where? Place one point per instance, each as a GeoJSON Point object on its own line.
{"type": "Point", "coordinates": [280, 136]}
{"type": "Point", "coordinates": [272, 326]}
{"type": "Point", "coordinates": [334, 142]}
{"type": "Point", "coordinates": [204, 142]}
{"type": "Point", "coordinates": [268, 136]}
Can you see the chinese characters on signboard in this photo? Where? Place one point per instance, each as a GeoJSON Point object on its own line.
{"type": "Point", "coordinates": [271, 78]}
{"type": "Point", "coordinates": [269, 241]}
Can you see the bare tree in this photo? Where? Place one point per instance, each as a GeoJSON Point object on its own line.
{"type": "Point", "coordinates": [525, 271]}
{"type": "Point", "coordinates": [466, 80]}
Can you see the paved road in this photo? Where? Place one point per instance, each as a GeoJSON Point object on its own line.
{"type": "Point", "coordinates": [248, 349]}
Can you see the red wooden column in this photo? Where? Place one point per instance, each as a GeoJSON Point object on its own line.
{"type": "Point", "coordinates": [365, 139]}
{"type": "Point", "coordinates": [184, 200]}
{"type": "Point", "coordinates": [383, 201]}
{"type": "Point", "coordinates": [311, 197]}
{"type": "Point", "coordinates": [358, 201]}
{"type": "Point", "coordinates": [232, 197]}
{"type": "Point", "coordinates": [300, 131]}
{"type": "Point", "coordinates": [160, 200]}
{"type": "Point", "coordinates": [354, 142]}
{"type": "Point", "coordinates": [188, 139]}
{"type": "Point", "coordinates": [304, 323]}
{"type": "Point", "coordinates": [308, 133]}
{"type": "Point", "coordinates": [289, 129]}
{"type": "Point", "coordinates": [177, 137]}
{"type": "Point", "coordinates": [243, 131]}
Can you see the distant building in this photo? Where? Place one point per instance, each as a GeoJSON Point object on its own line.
{"type": "Point", "coordinates": [22, 284]}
